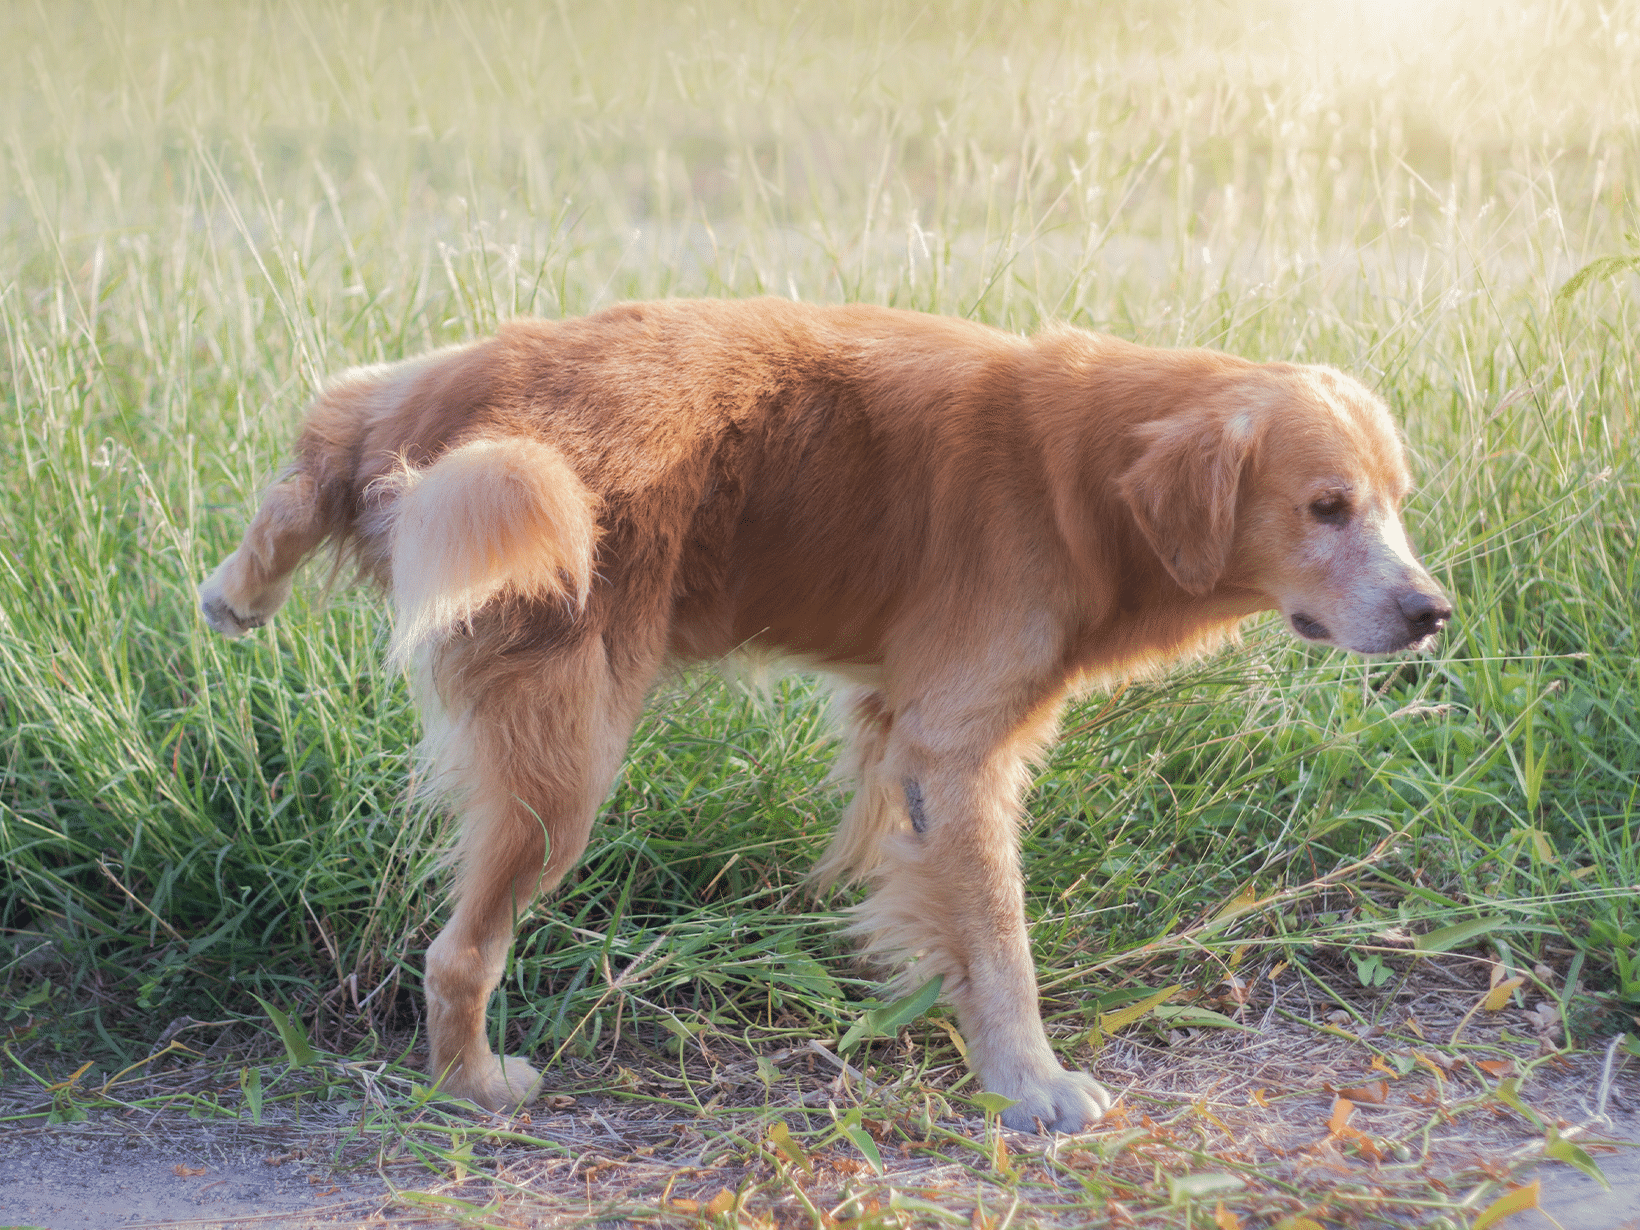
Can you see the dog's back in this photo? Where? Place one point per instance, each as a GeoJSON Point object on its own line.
{"type": "Point", "coordinates": [779, 473]}
{"type": "Point", "coordinates": [747, 456]}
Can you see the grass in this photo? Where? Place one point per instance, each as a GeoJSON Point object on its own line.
{"type": "Point", "coordinates": [209, 208]}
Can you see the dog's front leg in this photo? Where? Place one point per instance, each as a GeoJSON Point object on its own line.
{"type": "Point", "coordinates": [950, 897]}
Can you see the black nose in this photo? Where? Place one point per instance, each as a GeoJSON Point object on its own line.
{"type": "Point", "coordinates": [1425, 613]}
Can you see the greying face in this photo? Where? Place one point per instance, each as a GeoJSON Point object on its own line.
{"type": "Point", "coordinates": [1326, 541]}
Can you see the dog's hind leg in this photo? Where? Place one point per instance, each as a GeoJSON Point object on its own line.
{"type": "Point", "coordinates": [527, 764]}
{"type": "Point", "coordinates": [254, 582]}
{"type": "Point", "coordinates": [877, 807]}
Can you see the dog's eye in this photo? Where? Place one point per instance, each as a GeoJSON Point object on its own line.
{"type": "Point", "coordinates": [1333, 509]}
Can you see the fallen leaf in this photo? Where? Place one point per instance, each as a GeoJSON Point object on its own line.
{"type": "Point", "coordinates": [186, 1172]}
{"type": "Point", "coordinates": [1342, 1109]}
{"type": "Point", "coordinates": [1520, 1199]}
{"type": "Point", "coordinates": [720, 1204]}
{"type": "Point", "coordinates": [1373, 1093]}
{"type": "Point", "coordinates": [1202, 1110]}
{"type": "Point", "coordinates": [1496, 1067]}
{"type": "Point", "coordinates": [1499, 995]}
{"type": "Point", "coordinates": [681, 1205]}
{"type": "Point", "coordinates": [1224, 1219]}
{"type": "Point", "coordinates": [1000, 1159]}
{"type": "Point", "coordinates": [1257, 1095]}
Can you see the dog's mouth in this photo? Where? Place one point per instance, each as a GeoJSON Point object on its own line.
{"type": "Point", "coordinates": [1309, 629]}
{"type": "Point", "coordinates": [1423, 644]}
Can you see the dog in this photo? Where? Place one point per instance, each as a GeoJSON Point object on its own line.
{"type": "Point", "coordinates": [966, 525]}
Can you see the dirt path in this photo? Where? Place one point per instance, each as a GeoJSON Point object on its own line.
{"type": "Point", "coordinates": [60, 1179]}
{"type": "Point", "coordinates": [334, 1152]}
{"type": "Point", "coordinates": [74, 1177]}
{"type": "Point", "coordinates": [1578, 1202]}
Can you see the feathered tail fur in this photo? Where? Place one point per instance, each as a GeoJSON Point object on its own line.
{"type": "Point", "coordinates": [490, 518]}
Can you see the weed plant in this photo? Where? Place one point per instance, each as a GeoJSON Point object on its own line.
{"type": "Point", "coordinates": [207, 209]}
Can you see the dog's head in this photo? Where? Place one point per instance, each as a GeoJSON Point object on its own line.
{"type": "Point", "coordinates": [1288, 482]}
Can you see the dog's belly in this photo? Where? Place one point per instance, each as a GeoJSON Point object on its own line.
{"type": "Point", "coordinates": [780, 608]}
{"type": "Point", "coordinates": [760, 667]}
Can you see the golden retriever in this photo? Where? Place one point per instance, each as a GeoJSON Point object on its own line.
{"type": "Point", "coordinates": [964, 524]}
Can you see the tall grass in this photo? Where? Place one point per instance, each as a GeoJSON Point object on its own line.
{"type": "Point", "coordinates": [207, 208]}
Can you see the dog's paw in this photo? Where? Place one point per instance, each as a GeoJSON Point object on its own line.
{"type": "Point", "coordinates": [1057, 1101]}
{"type": "Point", "coordinates": [495, 1083]}
{"type": "Point", "coordinates": [224, 619]}
{"type": "Point", "coordinates": [233, 602]}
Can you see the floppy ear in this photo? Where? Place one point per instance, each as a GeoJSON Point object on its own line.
{"type": "Point", "coordinates": [1182, 492]}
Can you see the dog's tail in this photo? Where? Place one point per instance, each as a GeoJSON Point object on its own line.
{"type": "Point", "coordinates": [492, 518]}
